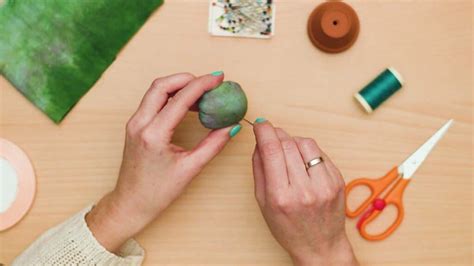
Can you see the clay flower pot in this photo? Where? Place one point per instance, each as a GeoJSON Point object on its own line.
{"type": "Point", "coordinates": [333, 26]}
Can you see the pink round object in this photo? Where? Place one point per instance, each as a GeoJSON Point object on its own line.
{"type": "Point", "coordinates": [379, 204]}
{"type": "Point", "coordinates": [26, 184]}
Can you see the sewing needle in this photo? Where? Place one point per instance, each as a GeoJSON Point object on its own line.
{"type": "Point", "coordinates": [250, 123]}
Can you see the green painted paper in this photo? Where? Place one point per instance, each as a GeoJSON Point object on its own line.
{"type": "Point", "coordinates": [53, 51]}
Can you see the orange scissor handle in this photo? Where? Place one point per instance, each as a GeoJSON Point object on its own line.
{"type": "Point", "coordinates": [376, 186]}
{"type": "Point", "coordinates": [394, 197]}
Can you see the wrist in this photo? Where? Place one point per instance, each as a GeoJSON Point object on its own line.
{"type": "Point", "coordinates": [112, 222]}
{"type": "Point", "coordinates": [339, 252]}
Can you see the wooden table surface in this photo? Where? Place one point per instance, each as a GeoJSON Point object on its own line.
{"type": "Point", "coordinates": [298, 88]}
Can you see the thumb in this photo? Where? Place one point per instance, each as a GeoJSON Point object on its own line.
{"type": "Point", "coordinates": [211, 145]}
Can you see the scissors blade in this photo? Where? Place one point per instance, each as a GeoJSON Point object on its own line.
{"type": "Point", "coordinates": [411, 164]}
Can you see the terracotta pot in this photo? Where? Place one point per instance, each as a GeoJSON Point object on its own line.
{"type": "Point", "coordinates": [333, 26]}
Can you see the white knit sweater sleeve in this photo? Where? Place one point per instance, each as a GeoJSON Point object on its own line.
{"type": "Point", "coordinates": [72, 243]}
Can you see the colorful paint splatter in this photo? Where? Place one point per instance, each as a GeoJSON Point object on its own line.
{"type": "Point", "coordinates": [53, 51]}
{"type": "Point", "coordinates": [244, 18]}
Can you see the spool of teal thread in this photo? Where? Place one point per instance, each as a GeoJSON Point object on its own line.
{"type": "Point", "coordinates": [379, 89]}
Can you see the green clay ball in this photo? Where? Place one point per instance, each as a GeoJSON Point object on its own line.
{"type": "Point", "coordinates": [223, 106]}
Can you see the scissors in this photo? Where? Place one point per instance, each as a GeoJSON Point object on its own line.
{"type": "Point", "coordinates": [392, 185]}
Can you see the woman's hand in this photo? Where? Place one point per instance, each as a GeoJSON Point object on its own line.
{"type": "Point", "coordinates": [154, 171]}
{"type": "Point", "coordinates": [304, 208]}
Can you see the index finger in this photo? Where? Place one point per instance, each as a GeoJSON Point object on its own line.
{"type": "Point", "coordinates": [271, 153]}
{"type": "Point", "coordinates": [177, 107]}
{"type": "Point", "coordinates": [156, 97]}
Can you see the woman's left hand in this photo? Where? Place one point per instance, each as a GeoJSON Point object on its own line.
{"type": "Point", "coordinates": [154, 171]}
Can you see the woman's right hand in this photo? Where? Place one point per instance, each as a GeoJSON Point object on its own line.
{"type": "Point", "coordinates": [304, 208]}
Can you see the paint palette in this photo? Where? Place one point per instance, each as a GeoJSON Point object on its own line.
{"type": "Point", "coordinates": [18, 184]}
{"type": "Point", "coordinates": [242, 18]}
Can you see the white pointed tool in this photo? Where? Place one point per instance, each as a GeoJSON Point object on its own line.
{"type": "Point", "coordinates": [411, 164]}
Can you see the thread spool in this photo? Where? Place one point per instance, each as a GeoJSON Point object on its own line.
{"type": "Point", "coordinates": [380, 89]}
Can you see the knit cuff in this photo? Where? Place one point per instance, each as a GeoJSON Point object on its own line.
{"type": "Point", "coordinates": [73, 243]}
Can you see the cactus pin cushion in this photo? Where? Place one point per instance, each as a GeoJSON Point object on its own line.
{"type": "Point", "coordinates": [222, 106]}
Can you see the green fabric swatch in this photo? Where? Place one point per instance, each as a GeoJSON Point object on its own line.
{"type": "Point", "coordinates": [53, 51]}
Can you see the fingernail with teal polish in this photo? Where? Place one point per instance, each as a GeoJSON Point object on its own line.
{"type": "Point", "coordinates": [260, 120]}
{"type": "Point", "coordinates": [217, 73]}
{"type": "Point", "coordinates": [235, 130]}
